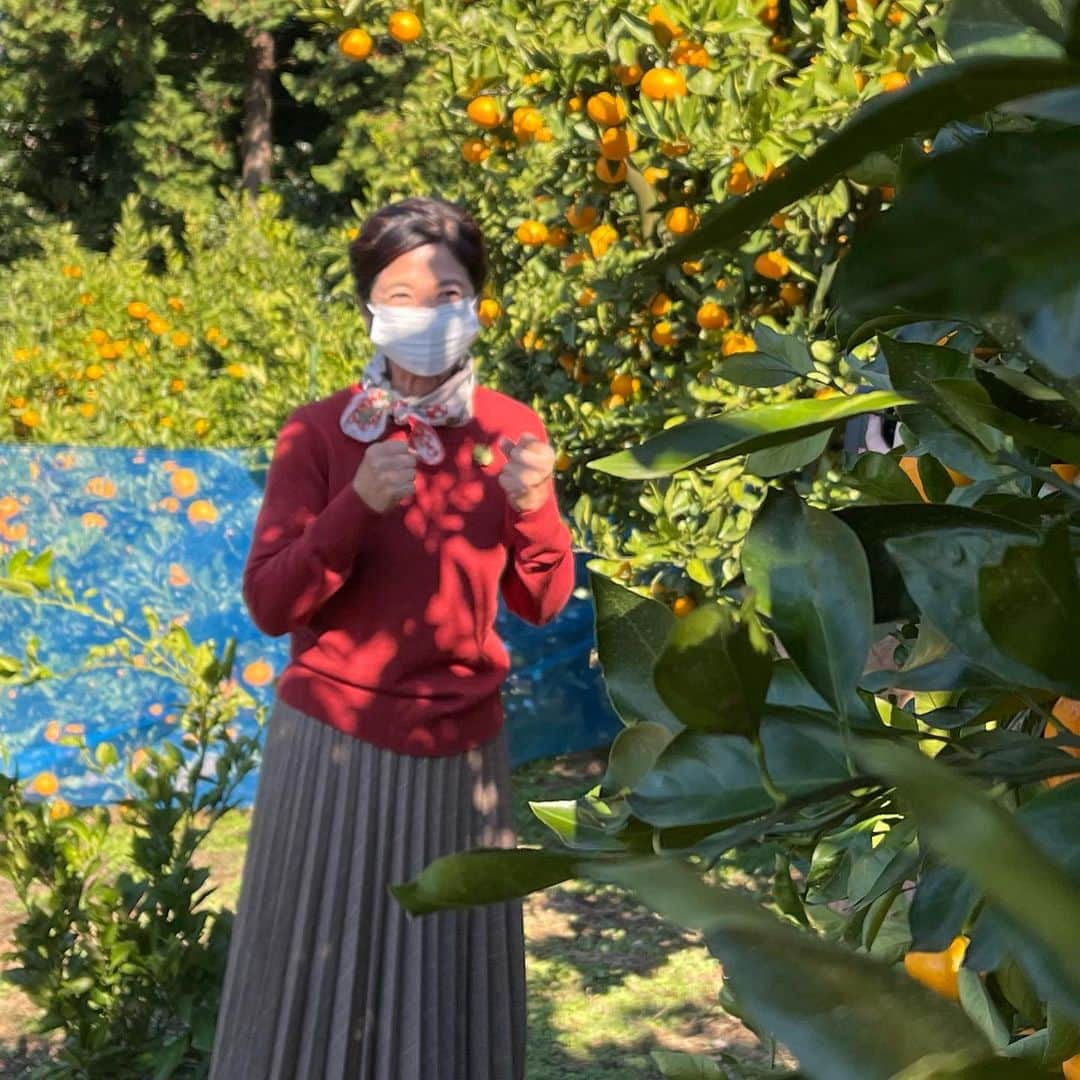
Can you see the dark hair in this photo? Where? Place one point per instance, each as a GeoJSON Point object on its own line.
{"type": "Point", "coordinates": [410, 223]}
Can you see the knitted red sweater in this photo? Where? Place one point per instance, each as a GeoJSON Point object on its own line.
{"type": "Point", "coordinates": [392, 615]}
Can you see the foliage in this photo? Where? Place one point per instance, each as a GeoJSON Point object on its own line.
{"type": "Point", "coordinates": [908, 736]}
{"type": "Point", "coordinates": [100, 101]}
{"type": "Point", "coordinates": [209, 338]}
{"type": "Point", "coordinates": [117, 947]}
{"type": "Point", "coordinates": [606, 356]}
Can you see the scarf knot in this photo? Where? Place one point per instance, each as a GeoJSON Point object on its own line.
{"type": "Point", "coordinates": [449, 404]}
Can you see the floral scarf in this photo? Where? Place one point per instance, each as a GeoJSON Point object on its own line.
{"type": "Point", "coordinates": [450, 403]}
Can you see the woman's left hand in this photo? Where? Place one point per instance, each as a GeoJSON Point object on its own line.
{"type": "Point", "coordinates": [524, 477]}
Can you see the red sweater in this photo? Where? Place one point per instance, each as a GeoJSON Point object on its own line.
{"type": "Point", "coordinates": [392, 615]}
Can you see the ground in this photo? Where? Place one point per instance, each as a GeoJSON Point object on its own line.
{"type": "Point", "coordinates": [609, 980]}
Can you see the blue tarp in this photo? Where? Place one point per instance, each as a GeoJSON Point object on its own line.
{"type": "Point", "coordinates": [171, 529]}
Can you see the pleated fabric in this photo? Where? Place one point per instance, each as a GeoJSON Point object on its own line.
{"type": "Point", "coordinates": [328, 977]}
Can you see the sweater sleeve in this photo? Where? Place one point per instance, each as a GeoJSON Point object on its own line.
{"type": "Point", "coordinates": [539, 574]}
{"type": "Point", "coordinates": [304, 542]}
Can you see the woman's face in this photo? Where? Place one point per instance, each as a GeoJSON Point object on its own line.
{"type": "Point", "coordinates": [424, 277]}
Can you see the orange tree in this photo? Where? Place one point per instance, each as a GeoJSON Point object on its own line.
{"type": "Point", "coordinates": [889, 695]}
{"type": "Point", "coordinates": [587, 137]}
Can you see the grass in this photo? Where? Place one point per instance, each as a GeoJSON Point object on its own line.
{"type": "Point", "coordinates": [609, 980]}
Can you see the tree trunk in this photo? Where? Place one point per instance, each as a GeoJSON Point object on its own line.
{"type": "Point", "coordinates": [258, 145]}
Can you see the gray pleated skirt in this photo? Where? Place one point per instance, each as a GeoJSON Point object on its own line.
{"type": "Point", "coordinates": [328, 977]}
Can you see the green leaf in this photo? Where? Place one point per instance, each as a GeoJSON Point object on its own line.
{"type": "Point", "coordinates": [674, 1065]}
{"type": "Point", "coordinates": [975, 1000]}
{"type": "Point", "coordinates": [705, 778]}
{"type": "Point", "coordinates": [821, 1000]}
{"type": "Point", "coordinates": [948, 92]}
{"type": "Point", "coordinates": [941, 570]}
{"type": "Point", "coordinates": [576, 824]}
{"type": "Point", "coordinates": [943, 901]}
{"type": "Point", "coordinates": [483, 876]}
{"type": "Point", "coordinates": [756, 369]}
{"type": "Point", "coordinates": [714, 672]}
{"type": "Point", "coordinates": [1014, 247]}
{"type": "Point", "coordinates": [918, 371]}
{"type": "Point", "coordinates": [631, 631]}
{"type": "Point", "coordinates": [968, 830]}
{"type": "Point", "coordinates": [701, 442]}
{"type": "Point", "coordinates": [105, 754]}
{"type": "Point", "coordinates": [876, 525]}
{"type": "Point", "coordinates": [779, 460]}
{"type": "Point", "coordinates": [1029, 603]}
{"type": "Point", "coordinates": [1004, 27]}
{"type": "Point", "coordinates": [879, 478]}
{"type": "Point", "coordinates": [633, 753]}
{"type": "Point", "coordinates": [810, 576]}
{"type": "Point", "coordinates": [954, 1067]}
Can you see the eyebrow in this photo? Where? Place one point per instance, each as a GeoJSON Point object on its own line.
{"type": "Point", "coordinates": [405, 284]}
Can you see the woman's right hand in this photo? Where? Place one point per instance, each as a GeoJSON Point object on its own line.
{"type": "Point", "coordinates": [386, 475]}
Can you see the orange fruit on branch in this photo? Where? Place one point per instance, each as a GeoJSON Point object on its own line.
{"type": "Point", "coordinates": [660, 304]}
{"type": "Point", "coordinates": [606, 109]}
{"type": "Point", "coordinates": [662, 334]}
{"type": "Point", "coordinates": [484, 111]}
{"type": "Point", "coordinates": [355, 43]}
{"type": "Point", "coordinates": [663, 84]}
{"type": "Point", "coordinates": [610, 172]}
{"type": "Point", "coordinates": [404, 26]}
{"type": "Point", "coordinates": [937, 970]}
{"type": "Point", "coordinates": [582, 218]}
{"type": "Point", "coordinates": [617, 143]}
{"type": "Point", "coordinates": [664, 27]}
{"type": "Point", "coordinates": [1068, 473]}
{"type": "Point", "coordinates": [681, 220]}
{"type": "Point", "coordinates": [735, 342]}
{"type": "Point", "coordinates": [711, 316]}
{"type": "Point", "coordinates": [531, 233]}
{"type": "Point", "coordinates": [601, 238]}
{"type": "Point", "coordinates": [1066, 712]}
{"type": "Point", "coordinates": [739, 180]}
{"type": "Point", "coordinates": [475, 150]}
{"type": "Point", "coordinates": [772, 264]}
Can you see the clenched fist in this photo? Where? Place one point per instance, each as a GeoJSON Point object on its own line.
{"type": "Point", "coordinates": [386, 475]}
{"type": "Point", "coordinates": [528, 466]}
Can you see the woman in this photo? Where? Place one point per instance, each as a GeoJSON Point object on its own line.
{"type": "Point", "coordinates": [395, 512]}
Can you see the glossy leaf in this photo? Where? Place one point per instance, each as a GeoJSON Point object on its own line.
{"type": "Point", "coordinates": [482, 876]}
{"type": "Point", "coordinates": [631, 631]}
{"type": "Point", "coordinates": [633, 753]}
{"type": "Point", "coordinates": [941, 570]}
{"type": "Point", "coordinates": [1004, 27]}
{"type": "Point", "coordinates": [811, 578]}
{"type": "Point", "coordinates": [1029, 603]}
{"type": "Point", "coordinates": [703, 777]}
{"type": "Point", "coordinates": [876, 525]}
{"type": "Point", "coordinates": [1014, 246]}
{"type": "Point", "coordinates": [714, 672]}
{"type": "Point", "coordinates": [944, 899]}
{"type": "Point", "coordinates": [757, 369]}
{"type": "Point", "coordinates": [779, 460]}
{"type": "Point", "coordinates": [700, 442]}
{"type": "Point", "coordinates": [963, 826]}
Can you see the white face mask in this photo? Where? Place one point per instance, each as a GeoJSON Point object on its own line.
{"type": "Point", "coordinates": [425, 340]}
